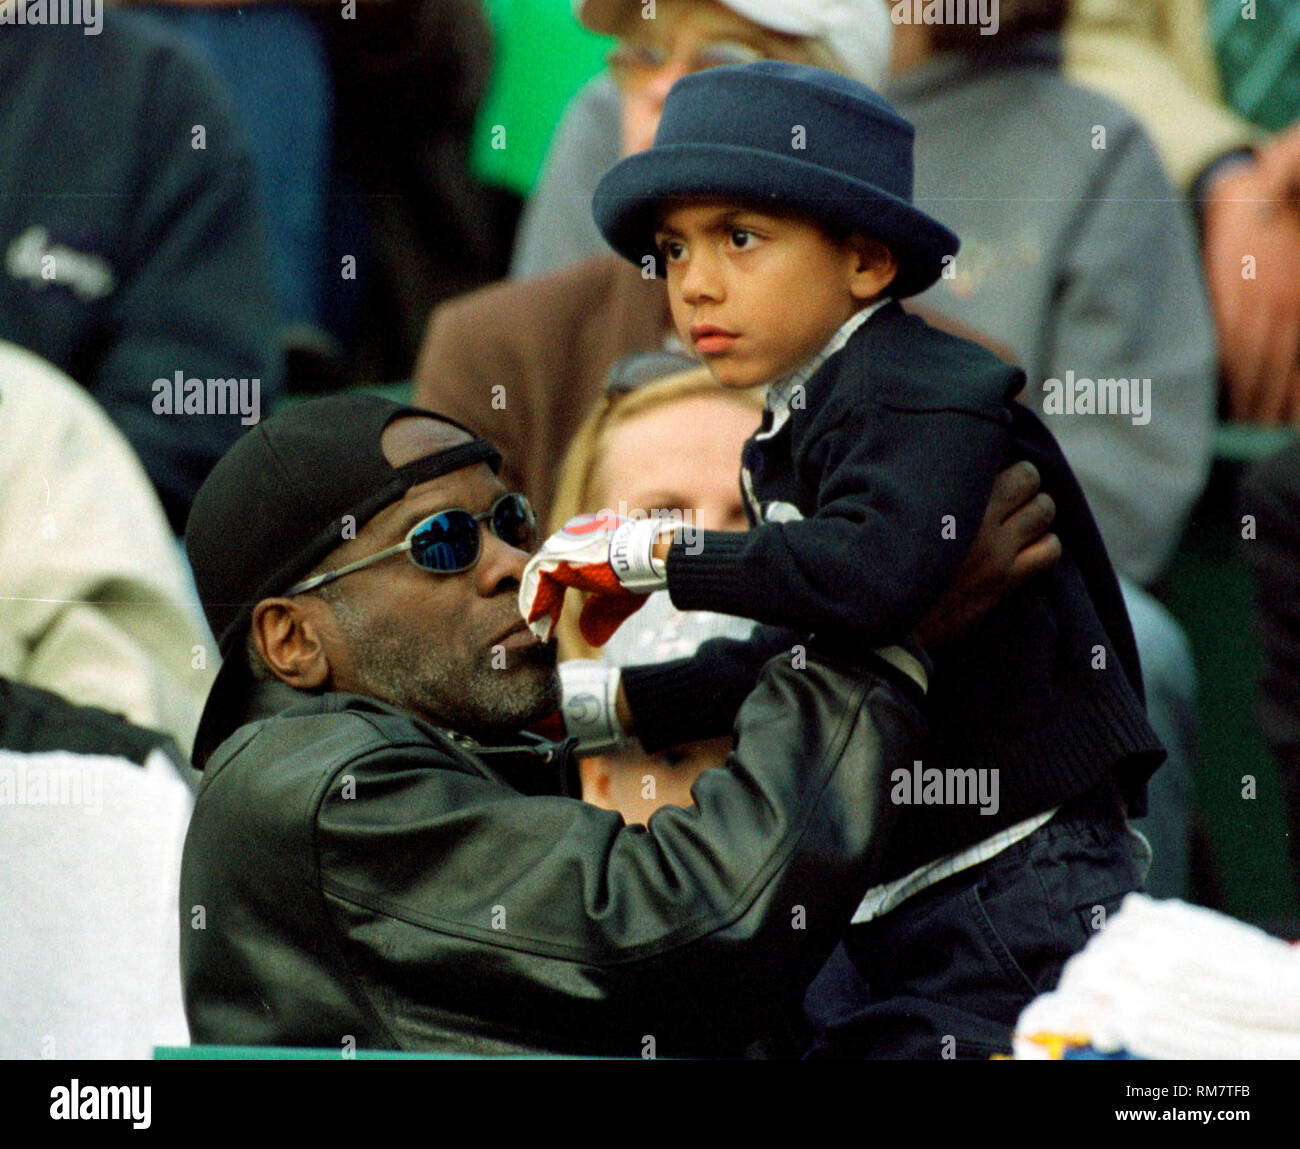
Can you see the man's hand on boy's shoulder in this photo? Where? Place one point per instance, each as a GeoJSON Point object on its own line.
{"type": "Point", "coordinates": [1013, 545]}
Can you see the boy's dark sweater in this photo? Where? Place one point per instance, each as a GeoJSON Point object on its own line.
{"type": "Point", "coordinates": [903, 427]}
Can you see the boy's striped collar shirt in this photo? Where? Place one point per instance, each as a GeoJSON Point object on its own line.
{"type": "Point", "coordinates": [781, 391]}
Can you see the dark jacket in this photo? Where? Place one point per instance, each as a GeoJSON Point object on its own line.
{"type": "Point", "coordinates": [890, 457]}
{"type": "Point", "coordinates": [364, 875]}
{"type": "Point", "coordinates": [125, 180]}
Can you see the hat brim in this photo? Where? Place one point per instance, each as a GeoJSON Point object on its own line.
{"type": "Point", "coordinates": [226, 708]}
{"type": "Point", "coordinates": [629, 195]}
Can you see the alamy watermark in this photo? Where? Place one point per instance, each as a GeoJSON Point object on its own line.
{"type": "Point", "coordinates": [36, 783]}
{"type": "Point", "coordinates": [686, 531]}
{"type": "Point", "coordinates": [983, 13]}
{"type": "Point", "coordinates": [89, 14]}
{"type": "Point", "coordinates": [1079, 395]}
{"type": "Point", "coordinates": [920, 786]}
{"type": "Point", "coordinates": [194, 396]}
{"type": "Point", "coordinates": [77, 1102]}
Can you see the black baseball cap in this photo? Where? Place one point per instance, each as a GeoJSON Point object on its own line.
{"type": "Point", "coordinates": [277, 503]}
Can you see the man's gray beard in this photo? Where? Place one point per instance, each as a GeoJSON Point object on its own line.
{"type": "Point", "coordinates": [471, 697]}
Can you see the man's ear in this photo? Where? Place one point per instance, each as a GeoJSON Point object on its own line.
{"type": "Point", "coordinates": [874, 267]}
{"type": "Point", "coordinates": [288, 635]}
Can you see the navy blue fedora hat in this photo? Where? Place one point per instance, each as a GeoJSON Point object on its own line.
{"type": "Point", "coordinates": [785, 135]}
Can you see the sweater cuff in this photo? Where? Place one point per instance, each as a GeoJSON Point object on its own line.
{"type": "Point", "coordinates": [698, 697]}
{"type": "Point", "coordinates": [702, 570]}
{"type": "Point", "coordinates": [679, 702]}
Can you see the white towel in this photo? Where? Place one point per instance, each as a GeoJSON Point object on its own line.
{"type": "Point", "coordinates": [1166, 980]}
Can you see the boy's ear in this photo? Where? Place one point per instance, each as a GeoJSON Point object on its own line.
{"type": "Point", "coordinates": [873, 269]}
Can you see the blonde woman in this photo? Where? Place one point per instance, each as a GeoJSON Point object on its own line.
{"type": "Point", "coordinates": [664, 439]}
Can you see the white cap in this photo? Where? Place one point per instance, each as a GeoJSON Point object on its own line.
{"type": "Point", "coordinates": [858, 32]}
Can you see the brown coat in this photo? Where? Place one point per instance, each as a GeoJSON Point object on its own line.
{"type": "Point", "coordinates": [522, 362]}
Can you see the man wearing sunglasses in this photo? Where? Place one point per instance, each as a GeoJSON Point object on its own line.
{"type": "Point", "coordinates": [381, 856]}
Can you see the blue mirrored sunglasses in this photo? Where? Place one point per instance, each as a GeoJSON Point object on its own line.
{"type": "Point", "coordinates": [448, 542]}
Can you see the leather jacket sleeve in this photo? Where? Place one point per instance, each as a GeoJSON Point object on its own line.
{"type": "Point", "coordinates": [476, 917]}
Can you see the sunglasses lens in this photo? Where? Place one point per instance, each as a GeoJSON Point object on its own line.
{"type": "Point", "coordinates": [448, 542]}
{"type": "Point", "coordinates": [513, 522]}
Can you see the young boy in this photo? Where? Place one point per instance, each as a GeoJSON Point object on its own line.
{"type": "Point", "coordinates": [776, 198]}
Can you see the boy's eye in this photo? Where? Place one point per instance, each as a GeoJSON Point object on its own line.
{"type": "Point", "coordinates": [742, 238]}
{"type": "Point", "coordinates": [670, 249]}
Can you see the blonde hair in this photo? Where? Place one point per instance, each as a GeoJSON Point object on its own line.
{"type": "Point", "coordinates": [576, 479]}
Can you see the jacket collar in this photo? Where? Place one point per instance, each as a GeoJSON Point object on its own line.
{"type": "Point", "coordinates": [780, 394]}
{"type": "Point", "coordinates": [524, 761]}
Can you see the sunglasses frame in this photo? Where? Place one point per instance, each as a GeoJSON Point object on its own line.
{"type": "Point", "coordinates": [406, 545]}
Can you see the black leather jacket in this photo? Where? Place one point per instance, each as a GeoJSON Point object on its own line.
{"type": "Point", "coordinates": [366, 879]}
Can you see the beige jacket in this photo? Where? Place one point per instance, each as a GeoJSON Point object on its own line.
{"type": "Point", "coordinates": [1155, 58]}
{"type": "Point", "coordinates": [95, 600]}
